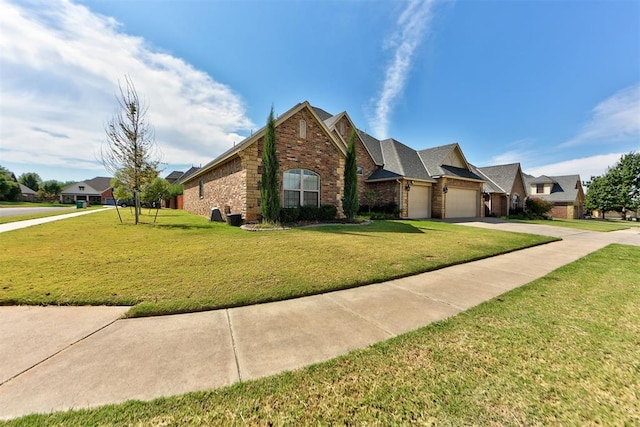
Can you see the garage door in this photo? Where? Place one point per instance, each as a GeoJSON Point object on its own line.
{"type": "Point", "coordinates": [462, 203]}
{"type": "Point", "coordinates": [419, 202]}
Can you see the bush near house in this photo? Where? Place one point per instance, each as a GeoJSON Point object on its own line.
{"type": "Point", "coordinates": [308, 214]}
{"type": "Point", "coordinates": [537, 207]}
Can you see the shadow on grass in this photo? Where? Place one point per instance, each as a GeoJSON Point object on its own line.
{"type": "Point", "coordinates": [207, 226]}
{"type": "Point", "coordinates": [363, 230]}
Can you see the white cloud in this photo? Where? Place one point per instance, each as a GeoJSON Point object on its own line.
{"type": "Point", "coordinates": [586, 167]}
{"type": "Point", "coordinates": [411, 26]}
{"type": "Point", "coordinates": [617, 118]}
{"type": "Point", "coordinates": [61, 64]}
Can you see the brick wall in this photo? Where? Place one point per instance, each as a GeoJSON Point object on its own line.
{"type": "Point", "coordinates": [223, 186]}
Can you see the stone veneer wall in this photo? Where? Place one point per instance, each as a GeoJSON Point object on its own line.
{"type": "Point", "coordinates": [223, 186]}
{"type": "Point", "coordinates": [316, 153]}
{"type": "Point", "coordinates": [438, 206]}
{"type": "Point", "coordinates": [385, 191]}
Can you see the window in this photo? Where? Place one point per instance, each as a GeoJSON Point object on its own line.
{"type": "Point", "coordinates": [515, 201]}
{"type": "Point", "coordinates": [81, 187]}
{"type": "Point", "coordinates": [201, 188]}
{"type": "Point", "coordinates": [341, 125]}
{"type": "Point", "coordinates": [303, 129]}
{"type": "Point", "coordinates": [301, 188]}
{"type": "Point", "coordinates": [539, 188]}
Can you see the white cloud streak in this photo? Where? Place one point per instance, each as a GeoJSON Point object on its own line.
{"type": "Point", "coordinates": [61, 64]}
{"type": "Point", "coordinates": [411, 26]}
{"type": "Point", "coordinates": [586, 167]}
{"type": "Point", "coordinates": [615, 119]}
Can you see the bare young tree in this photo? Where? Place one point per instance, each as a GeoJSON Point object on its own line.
{"type": "Point", "coordinates": [130, 151]}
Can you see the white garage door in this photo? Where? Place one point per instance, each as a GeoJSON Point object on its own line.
{"type": "Point", "coordinates": [462, 203]}
{"type": "Point", "coordinates": [419, 202]}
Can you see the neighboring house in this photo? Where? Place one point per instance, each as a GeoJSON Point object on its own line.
{"type": "Point", "coordinates": [565, 192]}
{"type": "Point", "coordinates": [26, 194]}
{"type": "Point", "coordinates": [504, 190]}
{"type": "Point", "coordinates": [174, 176]}
{"type": "Point", "coordinates": [95, 191]}
{"type": "Point", "coordinates": [311, 151]}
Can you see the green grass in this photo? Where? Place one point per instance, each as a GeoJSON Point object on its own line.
{"type": "Point", "coordinates": [583, 224]}
{"type": "Point", "coordinates": [185, 263]}
{"type": "Point", "coordinates": [562, 350]}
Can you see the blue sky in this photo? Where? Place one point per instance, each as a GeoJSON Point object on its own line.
{"type": "Point", "coordinates": [554, 85]}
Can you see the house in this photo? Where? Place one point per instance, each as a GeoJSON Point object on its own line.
{"type": "Point", "coordinates": [504, 189]}
{"type": "Point", "coordinates": [311, 151]}
{"type": "Point", "coordinates": [564, 192]}
{"type": "Point", "coordinates": [26, 194]}
{"type": "Point", "coordinates": [94, 191]}
{"type": "Point", "coordinates": [174, 176]}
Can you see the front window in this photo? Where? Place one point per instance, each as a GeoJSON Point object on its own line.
{"type": "Point", "coordinates": [539, 188]}
{"type": "Point", "coordinates": [301, 188]}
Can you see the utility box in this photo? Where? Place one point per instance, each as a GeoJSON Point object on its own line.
{"type": "Point", "coordinates": [216, 215]}
{"type": "Point", "coordinates": [234, 219]}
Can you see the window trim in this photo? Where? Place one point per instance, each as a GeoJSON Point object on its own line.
{"type": "Point", "coordinates": [303, 129]}
{"type": "Point", "coordinates": [300, 189]}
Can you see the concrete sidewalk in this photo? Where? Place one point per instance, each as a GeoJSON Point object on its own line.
{"type": "Point", "coordinates": [83, 356]}
{"type": "Point", "coordinates": [10, 226]}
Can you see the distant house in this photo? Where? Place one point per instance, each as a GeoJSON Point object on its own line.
{"type": "Point", "coordinates": [311, 150]}
{"type": "Point", "coordinates": [504, 190]}
{"type": "Point", "coordinates": [174, 176]}
{"type": "Point", "coordinates": [564, 192]}
{"type": "Point", "coordinates": [26, 194]}
{"type": "Point", "coordinates": [94, 191]}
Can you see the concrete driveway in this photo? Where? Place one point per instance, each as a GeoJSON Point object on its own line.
{"type": "Point", "coordinates": [57, 358]}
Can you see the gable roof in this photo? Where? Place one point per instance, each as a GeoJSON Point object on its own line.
{"type": "Point", "coordinates": [566, 188]}
{"type": "Point", "coordinates": [503, 176]}
{"type": "Point", "coordinates": [100, 183]}
{"type": "Point", "coordinates": [174, 176]}
{"type": "Point", "coordinates": [187, 174]}
{"type": "Point", "coordinates": [434, 158]}
{"type": "Point", "coordinates": [26, 190]}
{"type": "Point", "coordinates": [257, 135]}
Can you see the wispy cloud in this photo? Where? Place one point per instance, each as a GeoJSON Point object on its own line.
{"type": "Point", "coordinates": [410, 28]}
{"type": "Point", "coordinates": [586, 166]}
{"type": "Point", "coordinates": [61, 64]}
{"type": "Point", "coordinates": [617, 118]}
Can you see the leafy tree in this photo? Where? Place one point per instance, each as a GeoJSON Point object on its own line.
{"type": "Point", "coordinates": [31, 180]}
{"type": "Point", "coordinates": [350, 204]}
{"type": "Point", "coordinates": [174, 190]}
{"type": "Point", "coordinates": [120, 190]}
{"type": "Point", "coordinates": [155, 191]}
{"type": "Point", "coordinates": [9, 189]}
{"type": "Point", "coordinates": [270, 189]}
{"type": "Point", "coordinates": [618, 188]}
{"type": "Point", "coordinates": [50, 190]}
{"type": "Point", "coordinates": [131, 153]}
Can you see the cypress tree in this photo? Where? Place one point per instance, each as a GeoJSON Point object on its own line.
{"type": "Point", "coordinates": [269, 191]}
{"type": "Point", "coordinates": [350, 204]}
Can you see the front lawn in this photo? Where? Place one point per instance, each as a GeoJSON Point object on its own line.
{"type": "Point", "coordinates": [185, 263]}
{"type": "Point", "coordinates": [582, 224]}
{"type": "Point", "coordinates": [562, 350]}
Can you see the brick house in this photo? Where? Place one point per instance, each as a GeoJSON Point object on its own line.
{"type": "Point", "coordinates": [504, 189]}
{"type": "Point", "coordinates": [311, 150]}
{"type": "Point", "coordinates": [564, 192]}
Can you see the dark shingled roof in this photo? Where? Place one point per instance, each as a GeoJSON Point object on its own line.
{"type": "Point", "coordinates": [174, 176]}
{"type": "Point", "coordinates": [99, 183]}
{"type": "Point", "coordinates": [502, 175]}
{"type": "Point", "coordinates": [187, 174]}
{"type": "Point", "coordinates": [373, 145]}
{"type": "Point", "coordinates": [324, 116]}
{"type": "Point", "coordinates": [565, 187]}
{"type": "Point", "coordinates": [434, 157]}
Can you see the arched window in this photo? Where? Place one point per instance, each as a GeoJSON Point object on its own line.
{"type": "Point", "coordinates": [301, 188]}
{"type": "Point", "coordinates": [515, 201]}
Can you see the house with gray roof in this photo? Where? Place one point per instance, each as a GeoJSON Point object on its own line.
{"type": "Point", "coordinates": [26, 194]}
{"type": "Point", "coordinates": [564, 192]}
{"type": "Point", "coordinates": [504, 189]}
{"type": "Point", "coordinates": [311, 148]}
{"type": "Point", "coordinates": [94, 191]}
